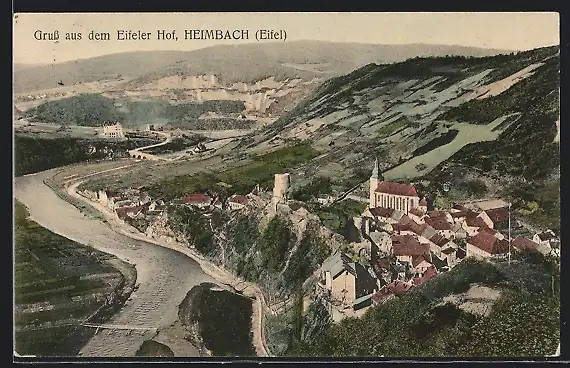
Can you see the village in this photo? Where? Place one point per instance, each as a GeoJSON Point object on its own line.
{"type": "Point", "coordinates": [400, 243]}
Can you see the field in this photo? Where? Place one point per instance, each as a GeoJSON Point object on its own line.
{"type": "Point", "coordinates": [467, 134]}
{"type": "Point", "coordinates": [242, 179]}
{"type": "Point", "coordinates": [58, 285]}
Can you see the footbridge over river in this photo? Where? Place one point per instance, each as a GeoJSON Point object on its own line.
{"type": "Point", "coordinates": [119, 327]}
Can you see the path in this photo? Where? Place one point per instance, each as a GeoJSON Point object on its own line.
{"type": "Point", "coordinates": [137, 152]}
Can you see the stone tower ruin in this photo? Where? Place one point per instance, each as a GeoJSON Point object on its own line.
{"type": "Point", "coordinates": [280, 188]}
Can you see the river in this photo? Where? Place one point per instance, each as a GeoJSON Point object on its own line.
{"type": "Point", "coordinates": [164, 275]}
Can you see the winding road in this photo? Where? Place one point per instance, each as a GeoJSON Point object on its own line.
{"type": "Point", "coordinates": [137, 152]}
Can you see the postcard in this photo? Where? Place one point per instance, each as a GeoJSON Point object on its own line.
{"type": "Point", "coordinates": [286, 185]}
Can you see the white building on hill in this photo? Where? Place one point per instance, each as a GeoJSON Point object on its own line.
{"type": "Point", "coordinates": [113, 130]}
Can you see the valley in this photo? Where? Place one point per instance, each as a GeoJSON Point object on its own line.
{"type": "Point", "coordinates": [362, 207]}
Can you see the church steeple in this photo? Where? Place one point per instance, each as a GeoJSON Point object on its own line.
{"type": "Point", "coordinates": [375, 170]}
{"type": "Point", "coordinates": [374, 184]}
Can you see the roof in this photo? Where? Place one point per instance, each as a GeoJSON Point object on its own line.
{"type": "Point", "coordinates": [417, 260]}
{"type": "Point", "coordinates": [390, 187]}
{"type": "Point", "coordinates": [475, 222]}
{"type": "Point", "coordinates": [381, 212]}
{"type": "Point", "coordinates": [438, 262]}
{"type": "Point", "coordinates": [464, 213]}
{"type": "Point", "coordinates": [434, 214]}
{"type": "Point", "coordinates": [449, 250]}
{"type": "Point", "coordinates": [525, 244]}
{"type": "Point", "coordinates": [382, 295]}
{"type": "Point", "coordinates": [488, 243]}
{"type": "Point", "coordinates": [488, 230]}
{"type": "Point", "coordinates": [423, 202]}
{"type": "Point", "coordinates": [408, 245]}
{"type": "Point", "coordinates": [545, 236]}
{"type": "Point", "coordinates": [429, 274]}
{"type": "Point", "coordinates": [460, 253]}
{"type": "Point", "coordinates": [438, 223]}
{"type": "Point", "coordinates": [338, 263]}
{"type": "Point", "coordinates": [498, 214]}
{"type": "Point", "coordinates": [407, 224]}
{"type": "Point", "coordinates": [416, 211]}
{"type": "Point", "coordinates": [439, 239]}
{"type": "Point", "coordinates": [397, 215]}
{"type": "Point", "coordinates": [197, 199]}
{"type": "Point", "coordinates": [236, 198]}
{"type": "Point", "coordinates": [398, 287]}
{"type": "Point", "coordinates": [125, 211]}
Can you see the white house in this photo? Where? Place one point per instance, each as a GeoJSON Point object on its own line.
{"type": "Point", "coordinates": [113, 130]}
{"type": "Point", "coordinates": [237, 202]}
{"type": "Point", "coordinates": [546, 238]}
{"type": "Point", "coordinates": [345, 281]}
{"type": "Point", "coordinates": [484, 246]}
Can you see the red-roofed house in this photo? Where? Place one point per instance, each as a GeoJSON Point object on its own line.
{"type": "Point", "coordinates": [404, 247]}
{"type": "Point", "coordinates": [390, 194]}
{"type": "Point", "coordinates": [441, 225]}
{"type": "Point", "coordinates": [498, 216]}
{"type": "Point", "coordinates": [493, 232]}
{"type": "Point", "coordinates": [524, 244]}
{"type": "Point", "coordinates": [124, 213]}
{"type": "Point", "coordinates": [198, 200]}
{"type": "Point", "coordinates": [237, 202]}
{"type": "Point", "coordinates": [449, 255]}
{"type": "Point", "coordinates": [417, 215]}
{"type": "Point", "coordinates": [390, 291]}
{"type": "Point", "coordinates": [438, 242]}
{"type": "Point", "coordinates": [484, 245]}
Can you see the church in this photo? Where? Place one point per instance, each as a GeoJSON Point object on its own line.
{"type": "Point", "coordinates": [397, 196]}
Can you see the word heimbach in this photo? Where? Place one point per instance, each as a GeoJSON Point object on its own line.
{"type": "Point", "coordinates": [236, 34]}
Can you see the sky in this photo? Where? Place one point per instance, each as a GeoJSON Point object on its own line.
{"type": "Point", "coordinates": [506, 31]}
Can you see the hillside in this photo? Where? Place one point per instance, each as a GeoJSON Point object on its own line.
{"type": "Point", "coordinates": [245, 63]}
{"type": "Point", "coordinates": [87, 70]}
{"type": "Point", "coordinates": [94, 110]}
{"type": "Point", "coordinates": [434, 120]}
{"type": "Point", "coordinates": [524, 321]}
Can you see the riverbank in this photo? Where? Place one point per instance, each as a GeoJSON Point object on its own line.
{"type": "Point", "coordinates": [60, 284]}
{"type": "Point", "coordinates": [164, 276]}
{"type": "Point", "coordinates": [250, 290]}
